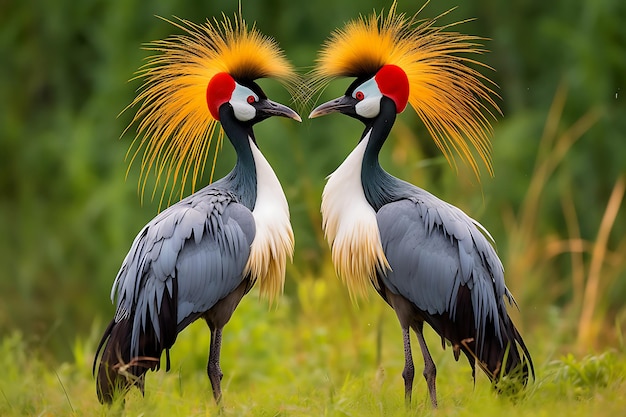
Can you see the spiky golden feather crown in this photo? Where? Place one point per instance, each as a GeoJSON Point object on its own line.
{"type": "Point", "coordinates": [453, 100]}
{"type": "Point", "coordinates": [175, 127]}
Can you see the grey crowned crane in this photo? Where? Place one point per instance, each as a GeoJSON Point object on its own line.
{"type": "Point", "coordinates": [200, 256]}
{"type": "Point", "coordinates": [426, 258]}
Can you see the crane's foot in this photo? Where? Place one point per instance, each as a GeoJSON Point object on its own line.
{"type": "Point", "coordinates": [213, 367]}
{"type": "Point", "coordinates": [430, 382]}
{"type": "Point", "coordinates": [408, 375]}
{"type": "Point", "coordinates": [215, 376]}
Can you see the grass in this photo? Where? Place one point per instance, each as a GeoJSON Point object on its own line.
{"type": "Point", "coordinates": [290, 361]}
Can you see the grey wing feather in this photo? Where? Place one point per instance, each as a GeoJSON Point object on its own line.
{"type": "Point", "coordinates": [433, 248]}
{"type": "Point", "coordinates": [195, 251]}
{"type": "Point", "coordinates": [221, 255]}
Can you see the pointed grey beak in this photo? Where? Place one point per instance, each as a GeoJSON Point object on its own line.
{"type": "Point", "coordinates": [341, 105]}
{"type": "Point", "coordinates": [271, 108]}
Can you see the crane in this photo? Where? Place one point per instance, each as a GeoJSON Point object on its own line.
{"type": "Point", "coordinates": [426, 258]}
{"type": "Point", "coordinates": [200, 256]}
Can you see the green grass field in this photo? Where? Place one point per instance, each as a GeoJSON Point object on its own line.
{"type": "Point", "coordinates": [319, 355]}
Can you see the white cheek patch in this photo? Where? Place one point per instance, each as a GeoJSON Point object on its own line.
{"type": "Point", "coordinates": [243, 111]}
{"type": "Point", "coordinates": [239, 100]}
{"type": "Point", "coordinates": [369, 107]}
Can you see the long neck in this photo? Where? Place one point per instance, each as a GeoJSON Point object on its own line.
{"type": "Point", "coordinates": [242, 180]}
{"type": "Point", "coordinates": [257, 187]}
{"type": "Point", "coordinates": [379, 186]}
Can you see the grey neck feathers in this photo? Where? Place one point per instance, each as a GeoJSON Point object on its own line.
{"type": "Point", "coordinates": [242, 180]}
{"type": "Point", "coordinates": [379, 186]}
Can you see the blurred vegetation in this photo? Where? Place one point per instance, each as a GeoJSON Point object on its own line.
{"type": "Point", "coordinates": [308, 361]}
{"type": "Point", "coordinates": [555, 206]}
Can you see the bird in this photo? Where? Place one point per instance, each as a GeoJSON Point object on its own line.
{"type": "Point", "coordinates": [426, 258]}
{"type": "Point", "coordinates": [197, 258]}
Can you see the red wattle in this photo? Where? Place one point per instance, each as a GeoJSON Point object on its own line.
{"type": "Point", "coordinates": [393, 83]}
{"type": "Point", "coordinates": [219, 91]}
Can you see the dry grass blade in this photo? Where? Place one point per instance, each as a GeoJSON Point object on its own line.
{"type": "Point", "coordinates": [65, 391]}
{"type": "Point", "coordinates": [529, 252]}
{"type": "Point", "coordinates": [586, 329]}
{"type": "Point", "coordinates": [552, 149]}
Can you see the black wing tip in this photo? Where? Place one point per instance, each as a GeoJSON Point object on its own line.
{"type": "Point", "coordinates": [105, 337]}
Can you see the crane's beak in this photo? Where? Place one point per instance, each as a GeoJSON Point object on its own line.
{"type": "Point", "coordinates": [271, 108]}
{"type": "Point", "coordinates": [342, 105]}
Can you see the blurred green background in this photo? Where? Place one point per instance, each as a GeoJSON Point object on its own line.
{"type": "Point", "coordinates": [68, 214]}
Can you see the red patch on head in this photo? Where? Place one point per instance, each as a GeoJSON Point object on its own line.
{"type": "Point", "coordinates": [393, 83]}
{"type": "Point", "coordinates": [218, 92]}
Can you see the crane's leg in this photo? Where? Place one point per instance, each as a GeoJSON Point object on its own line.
{"type": "Point", "coordinates": [430, 371]}
{"type": "Point", "coordinates": [213, 367]}
{"type": "Point", "coordinates": [409, 370]}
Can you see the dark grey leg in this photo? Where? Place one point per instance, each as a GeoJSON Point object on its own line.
{"type": "Point", "coordinates": [213, 367]}
{"type": "Point", "coordinates": [409, 370]}
{"type": "Point", "coordinates": [430, 372]}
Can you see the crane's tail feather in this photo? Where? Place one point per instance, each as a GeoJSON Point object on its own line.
{"type": "Point", "coordinates": [117, 372]}
{"type": "Point", "coordinates": [503, 357]}
{"type": "Point", "coordinates": [498, 353]}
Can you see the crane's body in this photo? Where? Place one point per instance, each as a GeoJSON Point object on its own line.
{"type": "Point", "coordinates": [426, 258]}
{"type": "Point", "coordinates": [200, 256]}
{"type": "Point", "coordinates": [196, 259]}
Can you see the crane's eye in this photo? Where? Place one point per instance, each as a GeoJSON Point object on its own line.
{"type": "Point", "coordinates": [251, 99]}
{"type": "Point", "coordinates": [359, 95]}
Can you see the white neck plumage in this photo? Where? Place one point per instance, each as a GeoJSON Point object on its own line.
{"type": "Point", "coordinates": [273, 241]}
{"type": "Point", "coordinates": [350, 226]}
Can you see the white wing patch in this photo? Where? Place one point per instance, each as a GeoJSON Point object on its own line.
{"type": "Point", "coordinates": [274, 240]}
{"type": "Point", "coordinates": [350, 225]}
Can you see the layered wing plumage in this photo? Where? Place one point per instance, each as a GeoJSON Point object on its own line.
{"type": "Point", "coordinates": [185, 260]}
{"type": "Point", "coordinates": [442, 261]}
{"type": "Point", "coordinates": [433, 248]}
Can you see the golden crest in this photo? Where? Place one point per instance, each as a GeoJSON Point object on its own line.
{"type": "Point", "coordinates": [175, 128]}
{"type": "Point", "coordinates": [453, 100]}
